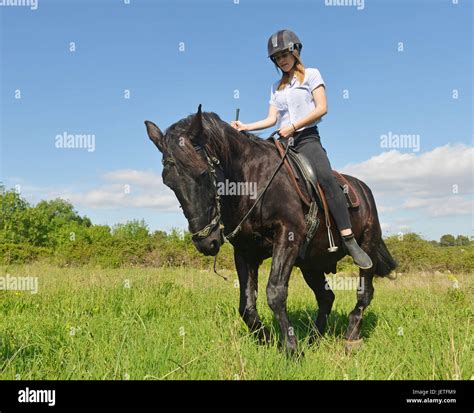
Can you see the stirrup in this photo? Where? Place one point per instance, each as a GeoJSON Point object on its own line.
{"type": "Point", "coordinates": [332, 246]}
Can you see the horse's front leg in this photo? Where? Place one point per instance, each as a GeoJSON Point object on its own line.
{"type": "Point", "coordinates": [285, 252]}
{"type": "Point", "coordinates": [247, 270]}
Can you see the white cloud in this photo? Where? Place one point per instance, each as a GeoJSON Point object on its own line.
{"type": "Point", "coordinates": [449, 206]}
{"type": "Point", "coordinates": [144, 179]}
{"type": "Point", "coordinates": [436, 182]}
{"type": "Point", "coordinates": [401, 182]}
{"type": "Point", "coordinates": [384, 208]}
{"type": "Point", "coordinates": [128, 188]}
{"type": "Point", "coordinates": [399, 225]}
{"type": "Point", "coordinates": [110, 197]}
{"type": "Point", "coordinates": [411, 203]}
{"type": "Point", "coordinates": [385, 226]}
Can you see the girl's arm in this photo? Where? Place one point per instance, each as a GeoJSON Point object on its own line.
{"type": "Point", "coordinates": [270, 120]}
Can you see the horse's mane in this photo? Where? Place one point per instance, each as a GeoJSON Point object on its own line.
{"type": "Point", "coordinates": [221, 138]}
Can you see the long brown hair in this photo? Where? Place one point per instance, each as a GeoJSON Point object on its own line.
{"type": "Point", "coordinates": [299, 71]}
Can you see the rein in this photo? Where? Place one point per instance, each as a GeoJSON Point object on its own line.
{"type": "Point", "coordinates": [239, 226]}
{"type": "Point", "coordinates": [214, 163]}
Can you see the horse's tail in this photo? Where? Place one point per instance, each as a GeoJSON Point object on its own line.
{"type": "Point", "coordinates": [385, 262]}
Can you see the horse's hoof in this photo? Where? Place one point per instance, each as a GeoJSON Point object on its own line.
{"type": "Point", "coordinates": [351, 346]}
{"type": "Point", "coordinates": [294, 354]}
{"type": "Point", "coordinates": [291, 348]}
{"type": "Point", "coordinates": [315, 339]}
{"type": "Point", "coordinates": [265, 338]}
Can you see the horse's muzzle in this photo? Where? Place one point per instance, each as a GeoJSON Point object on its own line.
{"type": "Point", "coordinates": [211, 244]}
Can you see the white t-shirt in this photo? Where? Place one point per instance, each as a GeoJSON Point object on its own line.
{"type": "Point", "coordinates": [295, 101]}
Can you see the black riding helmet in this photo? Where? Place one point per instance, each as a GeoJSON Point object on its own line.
{"type": "Point", "coordinates": [283, 40]}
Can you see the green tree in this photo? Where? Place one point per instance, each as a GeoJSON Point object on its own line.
{"type": "Point", "coordinates": [132, 230]}
{"type": "Point", "coordinates": [412, 236]}
{"type": "Point", "coordinates": [462, 240]}
{"type": "Point", "coordinates": [51, 220]}
{"type": "Point", "coordinates": [447, 240]}
{"type": "Point", "coordinates": [14, 217]}
{"type": "Point", "coordinates": [99, 234]}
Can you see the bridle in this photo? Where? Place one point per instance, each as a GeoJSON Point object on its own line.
{"type": "Point", "coordinates": [214, 163]}
{"type": "Point", "coordinates": [216, 221]}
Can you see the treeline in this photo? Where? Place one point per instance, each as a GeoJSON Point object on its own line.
{"type": "Point", "coordinates": [53, 231]}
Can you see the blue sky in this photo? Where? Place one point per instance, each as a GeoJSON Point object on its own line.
{"type": "Point", "coordinates": [424, 90]}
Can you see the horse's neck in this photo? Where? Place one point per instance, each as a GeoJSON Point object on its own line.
{"type": "Point", "coordinates": [242, 162]}
{"type": "Point", "coordinates": [249, 164]}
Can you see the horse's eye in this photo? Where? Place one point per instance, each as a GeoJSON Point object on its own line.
{"type": "Point", "coordinates": [204, 173]}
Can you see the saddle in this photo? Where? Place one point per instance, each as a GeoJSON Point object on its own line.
{"type": "Point", "coordinates": [300, 170]}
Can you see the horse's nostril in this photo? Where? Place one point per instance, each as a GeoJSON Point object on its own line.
{"type": "Point", "coordinates": [214, 244]}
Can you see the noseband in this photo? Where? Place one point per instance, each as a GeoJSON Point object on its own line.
{"type": "Point", "coordinates": [213, 163]}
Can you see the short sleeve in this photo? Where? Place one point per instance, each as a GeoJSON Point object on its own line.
{"type": "Point", "coordinates": [314, 78]}
{"type": "Point", "coordinates": [272, 97]}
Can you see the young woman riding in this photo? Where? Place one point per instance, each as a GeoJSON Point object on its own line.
{"type": "Point", "coordinates": [297, 103]}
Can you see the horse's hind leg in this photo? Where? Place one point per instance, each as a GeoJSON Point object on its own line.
{"type": "Point", "coordinates": [364, 297]}
{"type": "Point", "coordinates": [316, 280]}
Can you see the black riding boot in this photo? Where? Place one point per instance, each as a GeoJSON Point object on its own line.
{"type": "Point", "coordinates": [359, 256]}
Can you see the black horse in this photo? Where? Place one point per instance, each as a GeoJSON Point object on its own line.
{"type": "Point", "coordinates": [201, 151]}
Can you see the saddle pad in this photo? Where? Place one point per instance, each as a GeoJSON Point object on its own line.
{"type": "Point", "coordinates": [351, 194]}
{"type": "Point", "coordinates": [296, 175]}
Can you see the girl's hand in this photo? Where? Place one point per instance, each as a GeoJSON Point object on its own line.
{"type": "Point", "coordinates": [238, 125]}
{"type": "Point", "coordinates": [286, 131]}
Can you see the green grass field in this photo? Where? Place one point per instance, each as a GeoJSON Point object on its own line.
{"type": "Point", "coordinates": [183, 324]}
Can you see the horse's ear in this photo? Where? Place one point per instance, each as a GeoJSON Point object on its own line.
{"type": "Point", "coordinates": [154, 134]}
{"type": "Point", "coordinates": [196, 129]}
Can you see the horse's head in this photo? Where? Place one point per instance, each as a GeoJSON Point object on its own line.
{"type": "Point", "coordinates": [192, 174]}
